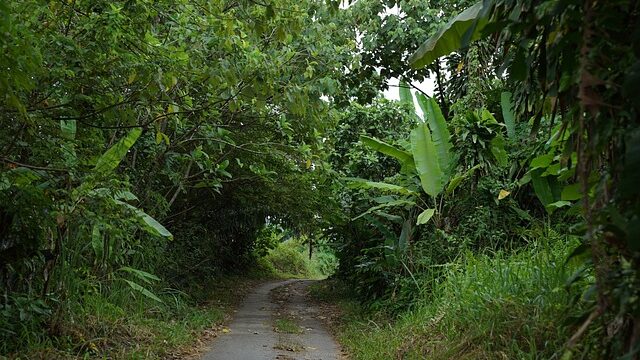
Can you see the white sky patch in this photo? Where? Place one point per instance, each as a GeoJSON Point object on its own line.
{"type": "Point", "coordinates": [393, 92]}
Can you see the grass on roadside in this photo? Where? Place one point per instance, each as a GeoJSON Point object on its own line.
{"type": "Point", "coordinates": [119, 325]}
{"type": "Point", "coordinates": [503, 306]}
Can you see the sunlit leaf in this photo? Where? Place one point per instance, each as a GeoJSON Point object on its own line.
{"type": "Point", "coordinates": [405, 93]}
{"type": "Point", "coordinates": [425, 216]}
{"type": "Point", "coordinates": [426, 160]}
{"type": "Point", "coordinates": [439, 131]}
{"type": "Point", "coordinates": [457, 33]}
{"type": "Point", "coordinates": [110, 160]}
{"type": "Point", "coordinates": [503, 194]}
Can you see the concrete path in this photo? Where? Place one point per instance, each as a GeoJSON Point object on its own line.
{"type": "Point", "coordinates": [252, 334]}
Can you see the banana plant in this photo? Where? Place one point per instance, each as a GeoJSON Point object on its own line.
{"type": "Point", "coordinates": [108, 162]}
{"type": "Point", "coordinates": [429, 157]}
{"type": "Point", "coordinates": [463, 29]}
{"type": "Point", "coordinates": [105, 165]}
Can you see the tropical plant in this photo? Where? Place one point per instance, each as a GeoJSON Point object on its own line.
{"type": "Point", "coordinates": [553, 58]}
{"type": "Point", "coordinates": [431, 157]}
{"type": "Point", "coordinates": [153, 139]}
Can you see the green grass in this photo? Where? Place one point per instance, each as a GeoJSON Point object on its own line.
{"type": "Point", "coordinates": [499, 306]}
{"type": "Point", "coordinates": [289, 345]}
{"type": "Point", "coordinates": [287, 326]}
{"type": "Point", "coordinates": [119, 323]}
{"type": "Point", "coordinates": [124, 325]}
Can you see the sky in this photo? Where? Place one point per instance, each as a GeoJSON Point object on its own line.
{"type": "Point", "coordinates": [392, 93]}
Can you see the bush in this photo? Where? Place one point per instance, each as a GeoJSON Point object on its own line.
{"type": "Point", "coordinates": [291, 259]}
{"type": "Point", "coordinates": [487, 306]}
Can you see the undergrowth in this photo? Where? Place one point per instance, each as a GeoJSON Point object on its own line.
{"type": "Point", "coordinates": [117, 323]}
{"type": "Point", "coordinates": [490, 306]}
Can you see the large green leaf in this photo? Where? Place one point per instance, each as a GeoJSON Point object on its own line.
{"type": "Point", "coordinates": [541, 187]}
{"type": "Point", "coordinates": [390, 217]}
{"type": "Point", "coordinates": [394, 203]}
{"type": "Point", "coordinates": [426, 160]}
{"type": "Point", "coordinates": [149, 224]}
{"type": "Point", "coordinates": [405, 93]}
{"type": "Point", "coordinates": [144, 291]}
{"type": "Point", "coordinates": [439, 131]}
{"type": "Point", "coordinates": [142, 275]}
{"type": "Point", "coordinates": [404, 157]}
{"type": "Point", "coordinates": [405, 237]}
{"type": "Point", "coordinates": [425, 216]}
{"type": "Point", "coordinates": [571, 192]}
{"type": "Point", "coordinates": [464, 28]}
{"type": "Point", "coordinates": [507, 114]}
{"type": "Point", "coordinates": [357, 183]}
{"type": "Point", "coordinates": [541, 162]}
{"type": "Point", "coordinates": [498, 151]}
{"type": "Point", "coordinates": [556, 205]}
{"type": "Point", "coordinates": [110, 160]}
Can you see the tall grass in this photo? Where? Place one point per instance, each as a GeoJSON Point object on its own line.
{"type": "Point", "coordinates": [115, 323]}
{"type": "Point", "coordinates": [491, 306]}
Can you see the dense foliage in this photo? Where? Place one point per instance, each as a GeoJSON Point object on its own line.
{"type": "Point", "coordinates": [118, 117]}
{"type": "Point", "coordinates": [148, 147]}
{"type": "Point", "coordinates": [541, 130]}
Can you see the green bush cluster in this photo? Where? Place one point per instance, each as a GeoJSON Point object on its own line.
{"type": "Point", "coordinates": [143, 146]}
{"type": "Point", "coordinates": [501, 305]}
{"type": "Point", "coordinates": [471, 226]}
{"type": "Point", "coordinates": [290, 258]}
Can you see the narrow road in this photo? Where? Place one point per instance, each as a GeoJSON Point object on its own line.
{"type": "Point", "coordinates": [276, 322]}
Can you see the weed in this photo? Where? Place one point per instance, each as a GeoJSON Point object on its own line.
{"type": "Point", "coordinates": [289, 345]}
{"type": "Point", "coordinates": [504, 305]}
{"type": "Point", "coordinates": [287, 326]}
{"type": "Point", "coordinates": [117, 326]}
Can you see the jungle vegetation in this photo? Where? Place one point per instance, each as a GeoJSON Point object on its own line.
{"type": "Point", "coordinates": [152, 149]}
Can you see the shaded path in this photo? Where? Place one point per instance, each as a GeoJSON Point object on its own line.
{"type": "Point", "coordinates": [252, 334]}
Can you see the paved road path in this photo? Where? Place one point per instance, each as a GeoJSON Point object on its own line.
{"type": "Point", "coordinates": [252, 335]}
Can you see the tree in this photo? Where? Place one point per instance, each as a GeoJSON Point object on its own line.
{"type": "Point", "coordinates": [562, 71]}
{"type": "Point", "coordinates": [119, 116]}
